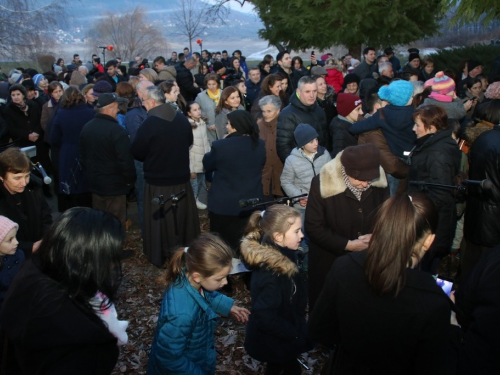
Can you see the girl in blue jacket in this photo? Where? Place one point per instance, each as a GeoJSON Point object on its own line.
{"type": "Point", "coordinates": [184, 337]}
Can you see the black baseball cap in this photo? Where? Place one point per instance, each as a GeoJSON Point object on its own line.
{"type": "Point", "coordinates": [109, 98]}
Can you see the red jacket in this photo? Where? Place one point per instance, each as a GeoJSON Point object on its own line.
{"type": "Point", "coordinates": [335, 79]}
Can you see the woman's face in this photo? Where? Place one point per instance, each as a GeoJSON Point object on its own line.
{"type": "Point", "coordinates": [429, 68]}
{"type": "Point", "coordinates": [90, 98]}
{"type": "Point", "coordinates": [269, 112]}
{"type": "Point", "coordinates": [233, 101]}
{"type": "Point", "coordinates": [476, 89]}
{"type": "Point", "coordinates": [484, 84]}
{"type": "Point", "coordinates": [172, 95]}
{"type": "Point", "coordinates": [284, 85]}
{"type": "Point", "coordinates": [358, 183]}
{"type": "Point", "coordinates": [322, 87]}
{"type": "Point", "coordinates": [61, 63]}
{"type": "Point", "coordinates": [142, 77]}
{"type": "Point", "coordinates": [420, 129]}
{"type": "Point", "coordinates": [351, 88]}
{"type": "Point", "coordinates": [15, 183]}
{"type": "Point", "coordinates": [212, 86]}
{"type": "Point", "coordinates": [276, 88]}
{"type": "Point", "coordinates": [242, 87]}
{"type": "Point", "coordinates": [9, 244]}
{"type": "Point", "coordinates": [204, 69]}
{"type": "Point", "coordinates": [236, 64]}
{"type": "Point", "coordinates": [267, 68]}
{"type": "Point", "coordinates": [17, 97]}
{"type": "Point", "coordinates": [296, 64]}
{"type": "Point", "coordinates": [415, 63]}
{"type": "Point", "coordinates": [57, 93]}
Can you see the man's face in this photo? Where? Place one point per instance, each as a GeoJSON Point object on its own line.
{"type": "Point", "coordinates": [111, 70]}
{"type": "Point", "coordinates": [308, 93]}
{"type": "Point", "coordinates": [224, 55]}
{"type": "Point", "coordinates": [174, 56]}
{"type": "Point", "coordinates": [119, 61]}
{"type": "Point", "coordinates": [189, 65]}
{"type": "Point", "coordinates": [30, 94]}
{"type": "Point", "coordinates": [347, 60]}
{"type": "Point", "coordinates": [159, 66]}
{"type": "Point", "coordinates": [254, 75]}
{"type": "Point", "coordinates": [476, 71]}
{"type": "Point", "coordinates": [383, 59]}
{"type": "Point", "coordinates": [388, 72]}
{"type": "Point", "coordinates": [370, 57]}
{"type": "Point", "coordinates": [186, 51]}
{"type": "Point", "coordinates": [218, 57]}
{"type": "Point", "coordinates": [286, 61]}
{"type": "Point", "coordinates": [95, 63]}
{"type": "Point", "coordinates": [204, 54]}
{"type": "Point", "coordinates": [77, 58]}
{"type": "Point", "coordinates": [237, 54]}
{"type": "Point", "coordinates": [138, 59]}
{"type": "Point", "coordinates": [415, 63]}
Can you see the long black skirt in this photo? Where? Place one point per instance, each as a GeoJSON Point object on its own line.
{"type": "Point", "coordinates": [162, 223]}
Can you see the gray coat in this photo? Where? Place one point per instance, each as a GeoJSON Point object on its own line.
{"type": "Point", "coordinates": [207, 106]}
{"type": "Point", "coordinates": [299, 171]}
{"type": "Point", "coordinates": [454, 110]}
{"type": "Point", "coordinates": [221, 121]}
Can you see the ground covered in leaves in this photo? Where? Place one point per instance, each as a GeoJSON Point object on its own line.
{"type": "Point", "coordinates": [139, 302]}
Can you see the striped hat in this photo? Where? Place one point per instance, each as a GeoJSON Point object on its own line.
{"type": "Point", "coordinates": [441, 84]}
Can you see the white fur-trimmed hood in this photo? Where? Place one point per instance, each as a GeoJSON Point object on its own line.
{"type": "Point", "coordinates": [331, 180]}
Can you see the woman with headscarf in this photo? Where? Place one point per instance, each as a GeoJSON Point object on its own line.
{"type": "Point", "coordinates": [340, 210]}
{"type": "Point", "coordinates": [236, 164]}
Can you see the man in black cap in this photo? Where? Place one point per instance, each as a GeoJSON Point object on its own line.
{"type": "Point", "coordinates": [396, 64]}
{"type": "Point", "coordinates": [105, 155]}
{"type": "Point", "coordinates": [474, 68]}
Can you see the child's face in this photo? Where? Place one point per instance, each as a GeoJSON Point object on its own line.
{"type": "Point", "coordinates": [291, 239]}
{"type": "Point", "coordinates": [312, 146]}
{"type": "Point", "coordinates": [9, 243]}
{"type": "Point", "coordinates": [195, 112]}
{"type": "Point", "coordinates": [216, 281]}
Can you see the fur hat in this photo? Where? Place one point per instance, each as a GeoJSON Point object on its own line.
{"type": "Point", "coordinates": [18, 87]}
{"type": "Point", "coordinates": [398, 93]}
{"type": "Point", "coordinates": [493, 91]}
{"type": "Point", "coordinates": [6, 225]}
{"type": "Point", "coordinates": [361, 162]}
{"type": "Point", "coordinates": [304, 133]}
{"type": "Point", "coordinates": [441, 84]}
{"type": "Point", "coordinates": [346, 103]}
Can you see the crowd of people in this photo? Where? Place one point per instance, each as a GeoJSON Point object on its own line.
{"type": "Point", "coordinates": [386, 168]}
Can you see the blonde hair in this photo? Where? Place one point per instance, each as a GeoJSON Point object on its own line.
{"type": "Point", "coordinates": [276, 219]}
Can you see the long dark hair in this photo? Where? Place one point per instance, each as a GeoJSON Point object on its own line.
{"type": "Point", "coordinates": [81, 252]}
{"type": "Point", "coordinates": [226, 93]}
{"type": "Point", "coordinates": [401, 224]}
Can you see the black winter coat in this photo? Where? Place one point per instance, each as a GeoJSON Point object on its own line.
{"type": "Point", "coordinates": [186, 82]}
{"type": "Point", "coordinates": [105, 155]}
{"type": "Point", "coordinates": [482, 224]}
{"type": "Point", "coordinates": [436, 159]}
{"type": "Point", "coordinates": [407, 334]}
{"type": "Point", "coordinates": [341, 138]}
{"type": "Point", "coordinates": [276, 330]}
{"type": "Point", "coordinates": [20, 125]}
{"type": "Point", "coordinates": [30, 210]}
{"type": "Point", "coordinates": [51, 333]}
{"type": "Point", "coordinates": [293, 115]}
{"type": "Point", "coordinates": [334, 216]}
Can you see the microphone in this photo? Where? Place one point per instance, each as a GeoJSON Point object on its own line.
{"type": "Point", "coordinates": [158, 201]}
{"type": "Point", "coordinates": [249, 202]}
{"type": "Point", "coordinates": [102, 46]}
{"type": "Point", "coordinates": [484, 184]}
{"type": "Point", "coordinates": [46, 179]}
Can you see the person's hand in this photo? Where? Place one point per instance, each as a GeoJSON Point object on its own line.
{"type": "Point", "coordinates": [193, 176]}
{"type": "Point", "coordinates": [365, 238]}
{"type": "Point", "coordinates": [239, 314]}
{"type": "Point", "coordinates": [356, 245]}
{"type": "Point", "coordinates": [313, 59]}
{"type": "Point", "coordinates": [303, 202]}
{"type": "Point", "coordinates": [468, 104]}
{"type": "Point", "coordinates": [453, 317]}
{"type": "Point", "coordinates": [36, 245]}
{"type": "Point", "coordinates": [33, 137]}
{"type": "Point", "coordinates": [211, 127]}
{"type": "Point", "coordinates": [208, 184]}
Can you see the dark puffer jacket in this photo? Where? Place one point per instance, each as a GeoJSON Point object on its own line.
{"type": "Point", "coordinates": [276, 330]}
{"type": "Point", "coordinates": [293, 115]}
{"type": "Point", "coordinates": [436, 159]}
{"type": "Point", "coordinates": [341, 137]}
{"type": "Point", "coordinates": [482, 224]}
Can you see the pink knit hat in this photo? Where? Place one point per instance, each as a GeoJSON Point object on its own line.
{"type": "Point", "coordinates": [441, 84]}
{"type": "Point", "coordinates": [493, 91]}
{"type": "Point", "coordinates": [5, 227]}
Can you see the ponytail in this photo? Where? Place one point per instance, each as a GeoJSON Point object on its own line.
{"type": "Point", "coordinates": [276, 219]}
{"type": "Point", "coordinates": [175, 266]}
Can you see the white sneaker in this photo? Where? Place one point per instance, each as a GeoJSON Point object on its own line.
{"type": "Point", "coordinates": [200, 205]}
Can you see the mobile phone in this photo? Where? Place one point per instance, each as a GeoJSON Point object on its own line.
{"type": "Point", "coordinates": [312, 52]}
{"type": "Point", "coordinates": [445, 284]}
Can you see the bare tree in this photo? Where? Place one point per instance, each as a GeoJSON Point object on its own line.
{"type": "Point", "coordinates": [27, 26]}
{"type": "Point", "coordinates": [192, 19]}
{"type": "Point", "coordinates": [130, 34]}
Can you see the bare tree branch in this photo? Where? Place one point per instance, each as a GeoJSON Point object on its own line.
{"type": "Point", "coordinates": [192, 19]}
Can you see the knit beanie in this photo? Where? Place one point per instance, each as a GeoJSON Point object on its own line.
{"type": "Point", "coordinates": [472, 64]}
{"type": "Point", "coordinates": [413, 55]}
{"type": "Point", "coordinates": [37, 78]}
{"type": "Point", "coordinates": [18, 87]}
{"type": "Point", "coordinates": [15, 77]}
{"type": "Point", "coordinates": [493, 91]}
{"type": "Point", "coordinates": [57, 69]}
{"type": "Point", "coordinates": [346, 103]}
{"type": "Point", "coordinates": [361, 162]}
{"type": "Point", "coordinates": [398, 93]}
{"type": "Point", "coordinates": [441, 84]}
{"type": "Point", "coordinates": [304, 133]}
{"type": "Point", "coordinates": [102, 87]}
{"type": "Point", "coordinates": [6, 226]}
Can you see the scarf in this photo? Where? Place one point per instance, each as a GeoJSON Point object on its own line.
{"type": "Point", "coordinates": [174, 104]}
{"type": "Point", "coordinates": [110, 318]}
{"type": "Point", "coordinates": [356, 191]}
{"type": "Point", "coordinates": [441, 97]}
{"type": "Point", "coordinates": [215, 97]}
{"type": "Point", "coordinates": [23, 107]}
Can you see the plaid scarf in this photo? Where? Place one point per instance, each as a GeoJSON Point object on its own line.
{"type": "Point", "coordinates": [356, 191]}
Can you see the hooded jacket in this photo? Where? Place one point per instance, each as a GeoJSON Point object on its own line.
{"type": "Point", "coordinates": [334, 216]}
{"type": "Point", "coordinates": [294, 114]}
{"type": "Point", "coordinates": [276, 330]}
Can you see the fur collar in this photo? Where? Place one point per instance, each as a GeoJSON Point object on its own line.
{"type": "Point", "coordinates": [332, 183]}
{"type": "Point", "coordinates": [258, 255]}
